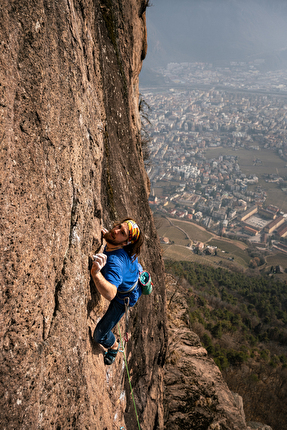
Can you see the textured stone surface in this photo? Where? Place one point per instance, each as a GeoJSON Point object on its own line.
{"type": "Point", "coordinates": [258, 426]}
{"type": "Point", "coordinates": [70, 163]}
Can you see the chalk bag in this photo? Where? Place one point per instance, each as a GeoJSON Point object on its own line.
{"type": "Point", "coordinates": [145, 283]}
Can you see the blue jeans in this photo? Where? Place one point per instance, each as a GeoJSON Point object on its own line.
{"type": "Point", "coordinates": [103, 332]}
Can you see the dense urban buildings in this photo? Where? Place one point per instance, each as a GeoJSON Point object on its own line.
{"type": "Point", "coordinates": [232, 108]}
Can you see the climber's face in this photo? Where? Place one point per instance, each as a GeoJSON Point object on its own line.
{"type": "Point", "coordinates": [118, 235]}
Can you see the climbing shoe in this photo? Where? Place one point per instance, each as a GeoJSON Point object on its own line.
{"type": "Point", "coordinates": [110, 356]}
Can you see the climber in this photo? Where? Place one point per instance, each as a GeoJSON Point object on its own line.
{"type": "Point", "coordinates": [115, 273]}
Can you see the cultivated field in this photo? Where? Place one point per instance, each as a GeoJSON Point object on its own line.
{"type": "Point", "coordinates": [180, 253]}
{"type": "Point", "coordinates": [178, 233]}
{"type": "Point", "coordinates": [235, 248]}
{"type": "Point", "coordinates": [277, 259]}
{"type": "Point", "coordinates": [167, 227]}
{"type": "Point", "coordinates": [195, 232]}
{"type": "Point", "coordinates": [231, 254]}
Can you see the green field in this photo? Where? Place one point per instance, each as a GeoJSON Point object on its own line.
{"type": "Point", "coordinates": [168, 228]}
{"type": "Point", "coordinates": [275, 196]}
{"type": "Point", "coordinates": [178, 249]}
{"type": "Point", "coordinates": [278, 259]}
{"type": "Point", "coordinates": [165, 229]}
{"type": "Point", "coordinates": [231, 248]}
{"type": "Point", "coordinates": [227, 249]}
{"type": "Point", "coordinates": [271, 164]}
{"type": "Point", "coordinates": [194, 232]}
{"type": "Point", "coordinates": [180, 253]}
{"type": "Point", "coordinates": [177, 236]}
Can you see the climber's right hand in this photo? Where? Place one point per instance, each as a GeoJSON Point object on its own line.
{"type": "Point", "coordinates": [104, 231]}
{"type": "Point", "coordinates": [98, 263]}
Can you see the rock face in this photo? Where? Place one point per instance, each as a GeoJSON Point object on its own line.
{"type": "Point", "coordinates": [196, 396]}
{"type": "Point", "coordinates": [71, 162]}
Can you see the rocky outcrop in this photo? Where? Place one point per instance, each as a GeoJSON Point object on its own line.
{"type": "Point", "coordinates": [71, 162]}
{"type": "Point", "coordinates": [196, 396]}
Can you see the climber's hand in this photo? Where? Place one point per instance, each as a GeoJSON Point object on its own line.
{"type": "Point", "coordinates": [104, 231]}
{"type": "Point", "coordinates": [98, 263]}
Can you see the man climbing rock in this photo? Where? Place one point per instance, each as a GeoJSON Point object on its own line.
{"type": "Point", "coordinates": [115, 273]}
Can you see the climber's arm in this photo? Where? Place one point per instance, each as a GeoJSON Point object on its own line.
{"type": "Point", "coordinates": [104, 287]}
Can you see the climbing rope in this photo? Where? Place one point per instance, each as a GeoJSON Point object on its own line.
{"type": "Point", "coordinates": [127, 304]}
{"type": "Point", "coordinates": [131, 388]}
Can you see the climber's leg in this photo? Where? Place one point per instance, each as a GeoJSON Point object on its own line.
{"type": "Point", "coordinates": [103, 332]}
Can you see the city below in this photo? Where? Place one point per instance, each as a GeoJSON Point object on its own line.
{"type": "Point", "coordinates": [218, 156]}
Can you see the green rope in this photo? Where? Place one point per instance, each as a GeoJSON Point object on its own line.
{"type": "Point", "coordinates": [123, 351]}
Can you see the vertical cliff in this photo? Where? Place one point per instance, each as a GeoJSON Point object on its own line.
{"type": "Point", "coordinates": [195, 396]}
{"type": "Point", "coordinates": [71, 162]}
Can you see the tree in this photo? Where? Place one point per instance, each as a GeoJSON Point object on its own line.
{"type": "Point", "coordinates": [216, 331]}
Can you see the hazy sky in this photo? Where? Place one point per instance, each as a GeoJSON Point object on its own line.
{"type": "Point", "coordinates": [210, 30]}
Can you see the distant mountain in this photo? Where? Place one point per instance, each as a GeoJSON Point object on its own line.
{"type": "Point", "coordinates": [217, 30]}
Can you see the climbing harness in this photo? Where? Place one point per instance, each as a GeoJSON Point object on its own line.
{"type": "Point", "coordinates": [127, 305]}
{"type": "Point", "coordinates": [131, 388]}
{"type": "Point", "coordinates": [123, 293]}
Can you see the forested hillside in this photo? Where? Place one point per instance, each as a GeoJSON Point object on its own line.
{"type": "Point", "coordinates": [241, 320]}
